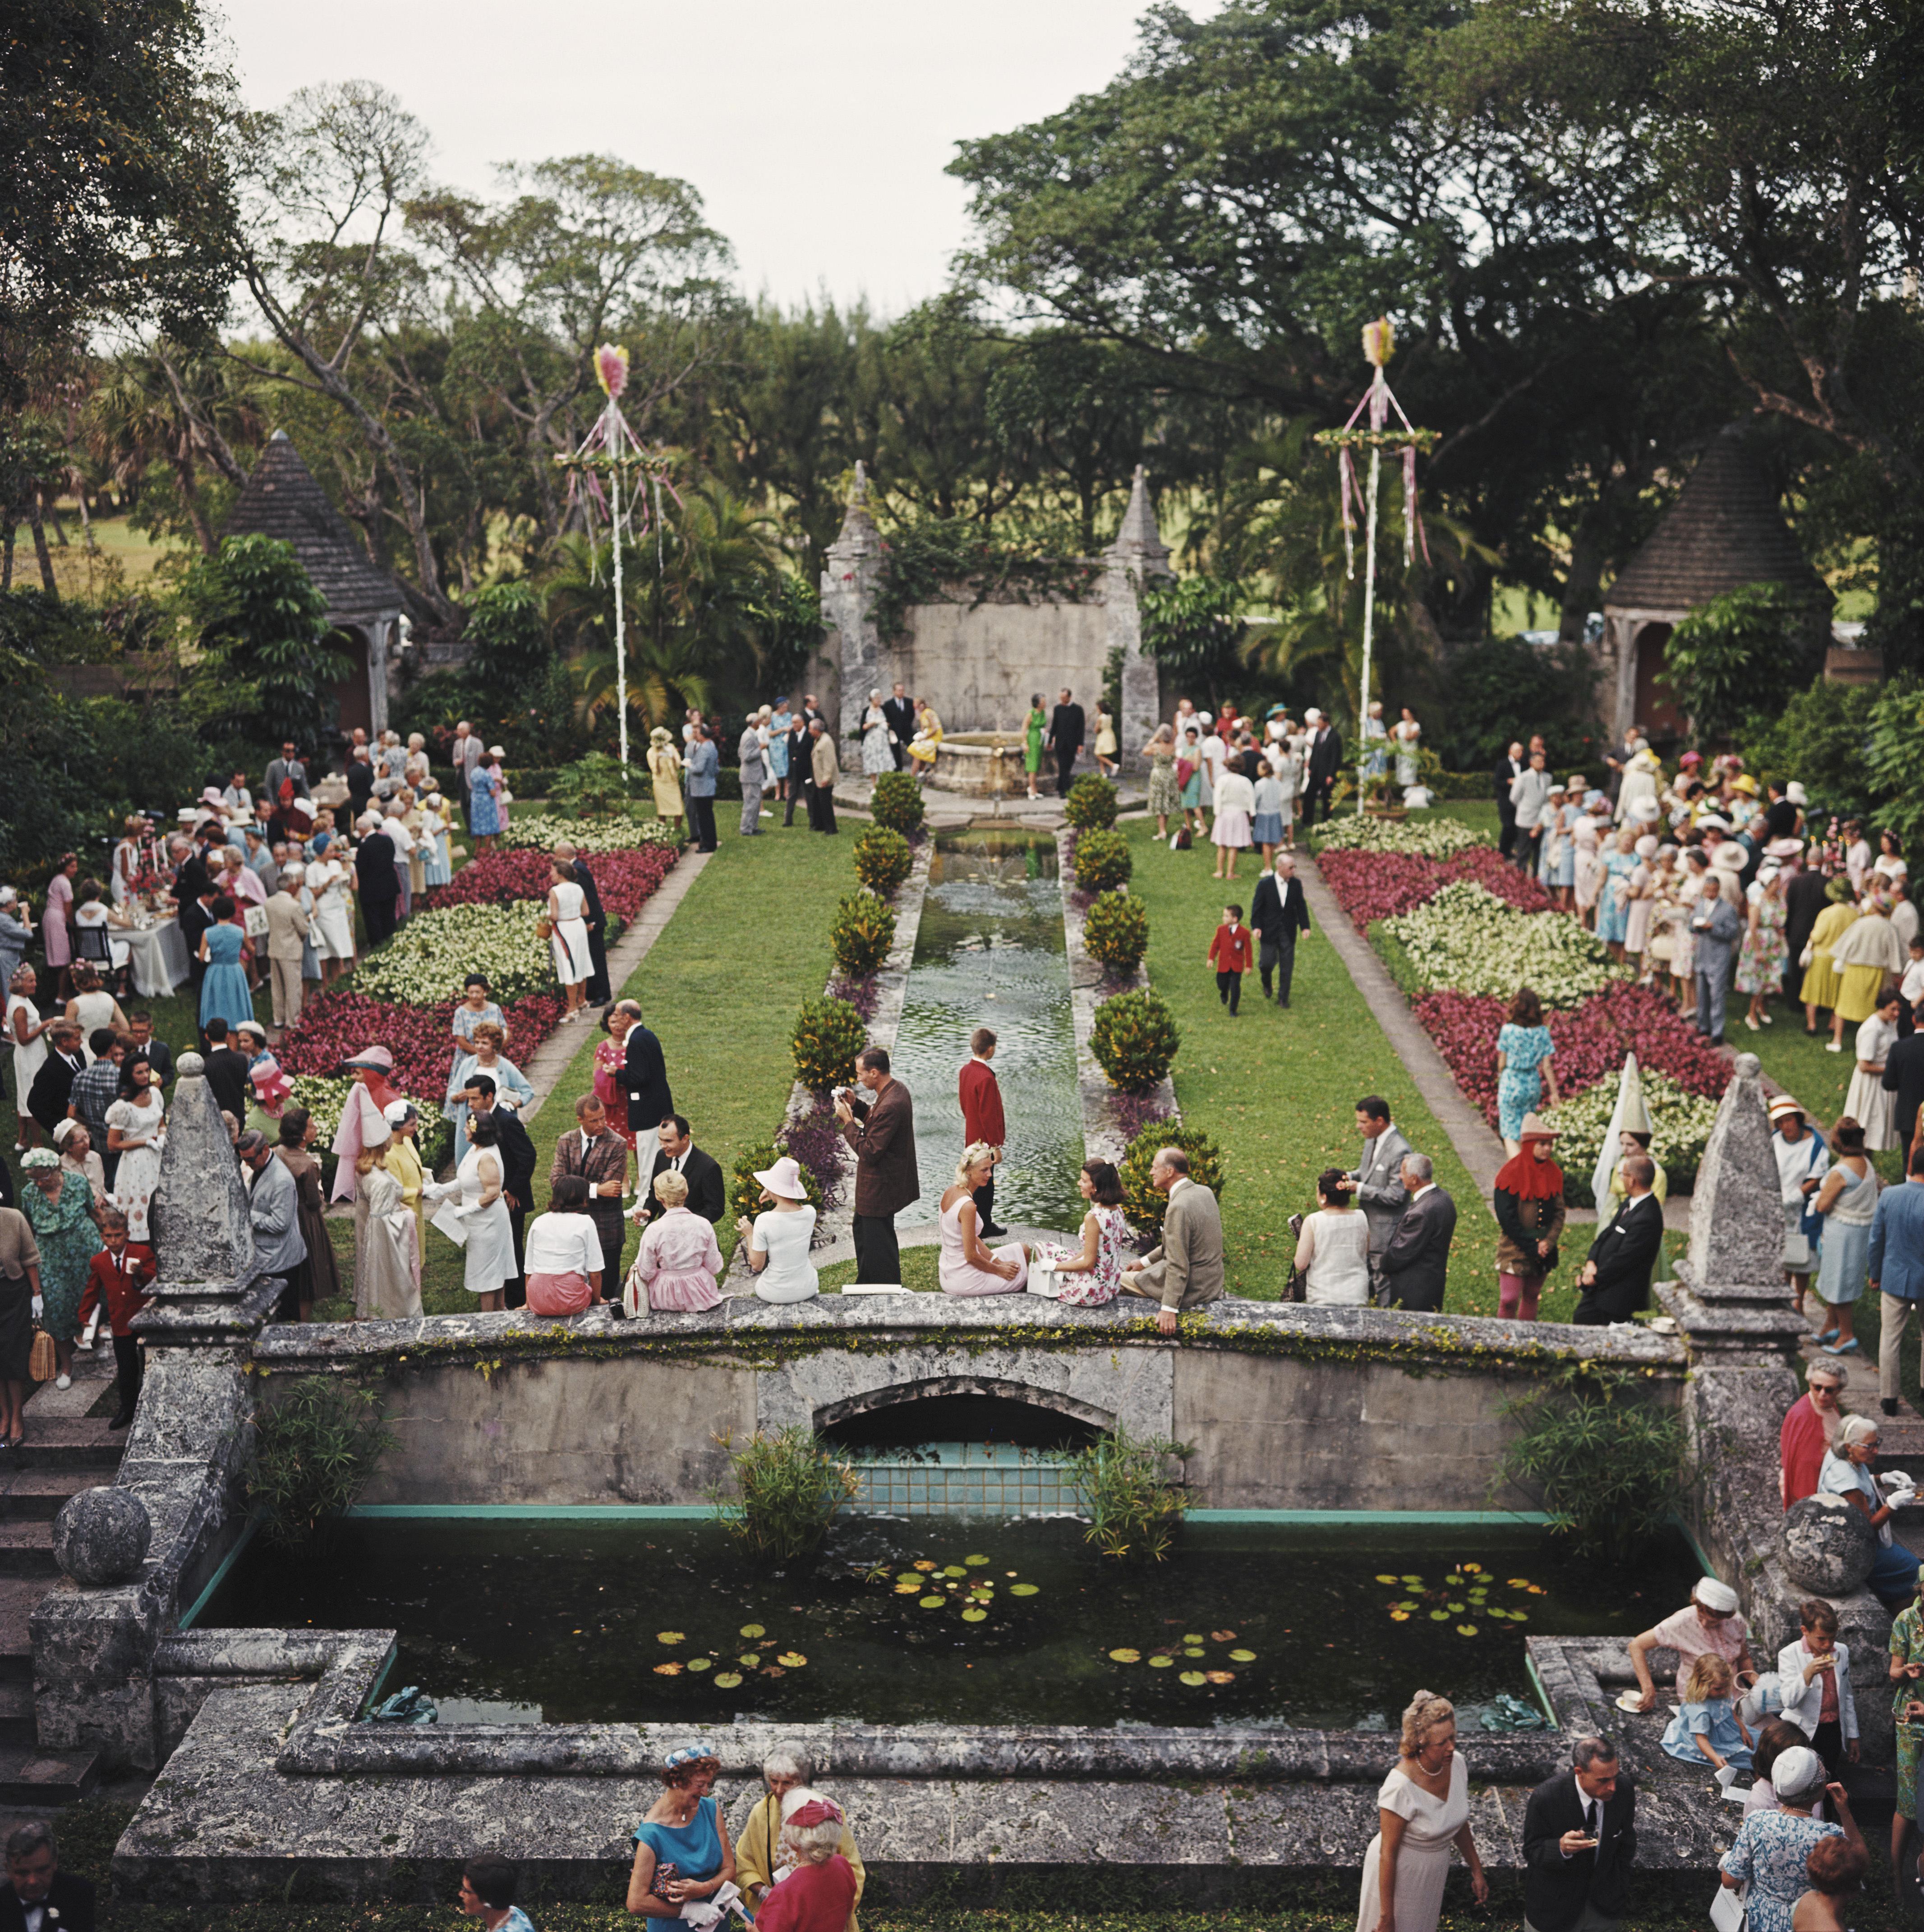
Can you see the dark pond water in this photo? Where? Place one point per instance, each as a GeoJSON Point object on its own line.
{"type": "Point", "coordinates": [939, 1621]}
{"type": "Point", "coordinates": [989, 952]}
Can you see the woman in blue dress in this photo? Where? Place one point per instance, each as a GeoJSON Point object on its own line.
{"type": "Point", "coordinates": [224, 988]}
{"type": "Point", "coordinates": [1613, 909]}
{"type": "Point", "coordinates": [437, 862]}
{"type": "Point", "coordinates": [1523, 1051]}
{"type": "Point", "coordinates": [681, 1851]}
{"type": "Point", "coordinates": [483, 804]}
{"type": "Point", "coordinates": [781, 721]}
{"type": "Point", "coordinates": [509, 1082]}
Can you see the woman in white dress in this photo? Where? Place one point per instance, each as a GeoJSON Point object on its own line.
{"type": "Point", "coordinates": [1406, 731]}
{"type": "Point", "coordinates": [876, 757]}
{"type": "Point", "coordinates": [136, 1131]}
{"type": "Point", "coordinates": [779, 1238]}
{"type": "Point", "coordinates": [567, 938]}
{"type": "Point", "coordinates": [387, 1262]}
{"type": "Point", "coordinates": [25, 1027]}
{"type": "Point", "coordinates": [1332, 1246]}
{"type": "Point", "coordinates": [967, 1267]}
{"type": "Point", "coordinates": [334, 920]}
{"type": "Point", "coordinates": [93, 1007]}
{"type": "Point", "coordinates": [126, 862]}
{"type": "Point", "coordinates": [1867, 1100]}
{"type": "Point", "coordinates": [437, 866]}
{"type": "Point", "coordinates": [491, 1244]}
{"type": "Point", "coordinates": [1422, 1809]}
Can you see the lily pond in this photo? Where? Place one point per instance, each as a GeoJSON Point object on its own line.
{"type": "Point", "coordinates": [935, 1620]}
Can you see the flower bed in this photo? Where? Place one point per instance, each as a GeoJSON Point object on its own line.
{"type": "Point", "coordinates": [1370, 886]}
{"type": "Point", "coordinates": [1468, 940]}
{"type": "Point", "coordinates": [325, 1097]}
{"type": "Point", "coordinates": [625, 879]}
{"type": "Point", "coordinates": [542, 832]}
{"type": "Point", "coordinates": [1680, 1123]}
{"type": "Point", "coordinates": [1420, 837]}
{"type": "Point", "coordinates": [333, 1027]}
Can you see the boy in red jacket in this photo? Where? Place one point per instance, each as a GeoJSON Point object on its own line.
{"type": "Point", "coordinates": [118, 1279]}
{"type": "Point", "coordinates": [1230, 953]}
{"type": "Point", "coordinates": [981, 1118]}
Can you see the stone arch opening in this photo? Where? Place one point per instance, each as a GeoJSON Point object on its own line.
{"type": "Point", "coordinates": [963, 1409]}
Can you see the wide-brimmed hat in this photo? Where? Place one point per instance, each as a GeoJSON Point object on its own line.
{"type": "Point", "coordinates": [377, 1057]}
{"type": "Point", "coordinates": [1794, 793]}
{"type": "Point", "coordinates": [1729, 856]}
{"type": "Point", "coordinates": [1536, 1128]}
{"type": "Point", "coordinates": [1784, 848]}
{"type": "Point", "coordinates": [1746, 784]}
{"type": "Point", "coordinates": [1784, 1105]}
{"type": "Point", "coordinates": [1713, 821]}
{"type": "Point", "coordinates": [784, 1179]}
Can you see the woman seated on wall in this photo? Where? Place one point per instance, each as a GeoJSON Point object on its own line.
{"type": "Point", "coordinates": [563, 1255]}
{"type": "Point", "coordinates": [679, 1260]}
{"type": "Point", "coordinates": [967, 1267]}
{"type": "Point", "coordinates": [681, 1852]}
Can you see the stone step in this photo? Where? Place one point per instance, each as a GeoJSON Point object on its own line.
{"type": "Point", "coordinates": [37, 1494]}
{"type": "Point", "coordinates": [35, 1777]}
{"type": "Point", "coordinates": [16, 1712]}
{"type": "Point", "coordinates": [18, 1596]}
{"type": "Point", "coordinates": [26, 1548]}
{"type": "Point", "coordinates": [67, 1442]}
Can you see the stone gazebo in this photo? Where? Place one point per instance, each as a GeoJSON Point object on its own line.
{"type": "Point", "coordinates": [1724, 531]}
{"type": "Point", "coordinates": [282, 499]}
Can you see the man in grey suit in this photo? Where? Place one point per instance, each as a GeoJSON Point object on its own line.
{"type": "Point", "coordinates": [1184, 1270]}
{"type": "Point", "coordinates": [1378, 1179]}
{"type": "Point", "coordinates": [1415, 1264]}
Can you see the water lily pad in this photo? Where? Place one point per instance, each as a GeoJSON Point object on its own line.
{"type": "Point", "coordinates": [1519, 1616]}
{"type": "Point", "coordinates": [1388, 1580]}
{"type": "Point", "coordinates": [667, 1670]}
{"type": "Point", "coordinates": [1456, 1609]}
{"type": "Point", "coordinates": [908, 1589]}
{"type": "Point", "coordinates": [974, 1616]}
{"type": "Point", "coordinates": [1537, 1590]}
{"type": "Point", "coordinates": [1193, 1677]}
{"type": "Point", "coordinates": [1519, 1582]}
{"type": "Point", "coordinates": [751, 1629]}
{"type": "Point", "coordinates": [932, 1602]}
{"type": "Point", "coordinates": [1220, 1676]}
{"type": "Point", "coordinates": [1466, 1630]}
{"type": "Point", "coordinates": [1222, 1636]}
{"type": "Point", "coordinates": [1192, 1637]}
{"type": "Point", "coordinates": [701, 1663]}
{"type": "Point", "coordinates": [1439, 1616]}
{"type": "Point", "coordinates": [791, 1659]}
{"type": "Point", "coordinates": [750, 1660]}
{"type": "Point", "coordinates": [773, 1670]}
{"type": "Point", "coordinates": [1193, 1650]}
{"type": "Point", "coordinates": [1414, 1582]}
{"type": "Point", "coordinates": [1126, 1656]}
{"type": "Point", "coordinates": [727, 1680]}
{"type": "Point", "coordinates": [1243, 1657]}
{"type": "Point", "coordinates": [910, 1579]}
{"type": "Point", "coordinates": [1023, 1589]}
{"type": "Point", "coordinates": [955, 1570]}
{"type": "Point", "coordinates": [1471, 1569]}
{"type": "Point", "coordinates": [926, 1563]}
{"type": "Point", "coordinates": [975, 1562]}
{"type": "Point", "coordinates": [1161, 1663]}
{"type": "Point", "coordinates": [1397, 1617]}
{"type": "Point", "coordinates": [669, 1636]}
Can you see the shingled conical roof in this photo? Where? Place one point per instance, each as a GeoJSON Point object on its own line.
{"type": "Point", "coordinates": [1724, 531]}
{"type": "Point", "coordinates": [282, 499]}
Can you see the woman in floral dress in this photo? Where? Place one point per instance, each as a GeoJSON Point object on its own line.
{"type": "Point", "coordinates": [1092, 1274]}
{"type": "Point", "coordinates": [1165, 795]}
{"type": "Point", "coordinates": [1523, 1051]}
{"type": "Point", "coordinates": [1764, 955]}
{"type": "Point", "coordinates": [59, 1206]}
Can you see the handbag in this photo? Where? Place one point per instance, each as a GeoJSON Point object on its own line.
{"type": "Point", "coordinates": [634, 1290]}
{"type": "Point", "coordinates": [254, 922]}
{"type": "Point", "coordinates": [545, 927]}
{"type": "Point", "coordinates": [1728, 1911]}
{"type": "Point", "coordinates": [1797, 1258]}
{"type": "Point", "coordinates": [43, 1365]}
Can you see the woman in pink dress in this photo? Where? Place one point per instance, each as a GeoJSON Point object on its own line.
{"type": "Point", "coordinates": [680, 1259]}
{"type": "Point", "coordinates": [55, 921]}
{"type": "Point", "coordinates": [611, 1070]}
{"type": "Point", "coordinates": [1091, 1275]}
{"type": "Point", "coordinates": [967, 1267]}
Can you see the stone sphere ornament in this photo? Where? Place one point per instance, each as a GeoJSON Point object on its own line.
{"type": "Point", "coordinates": [100, 1536]}
{"type": "Point", "coordinates": [1829, 1546]}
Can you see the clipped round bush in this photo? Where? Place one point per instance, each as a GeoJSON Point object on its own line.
{"type": "Point", "coordinates": [863, 930]}
{"type": "Point", "coordinates": [829, 1034]}
{"type": "Point", "coordinates": [896, 801]}
{"type": "Point", "coordinates": [1141, 1203]}
{"type": "Point", "coordinates": [883, 859]}
{"type": "Point", "coordinates": [745, 1194]}
{"type": "Point", "coordinates": [1091, 804]}
{"type": "Point", "coordinates": [1134, 1040]}
{"type": "Point", "coordinates": [1102, 861]}
{"type": "Point", "coordinates": [1116, 931]}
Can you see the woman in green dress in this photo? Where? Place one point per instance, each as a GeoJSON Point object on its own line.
{"type": "Point", "coordinates": [59, 1206]}
{"type": "Point", "coordinates": [1033, 727]}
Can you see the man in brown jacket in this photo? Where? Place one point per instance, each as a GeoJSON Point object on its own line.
{"type": "Point", "coordinates": [287, 921]}
{"type": "Point", "coordinates": [1184, 1270]}
{"type": "Point", "coordinates": [823, 770]}
{"type": "Point", "coordinates": [600, 1157]}
{"type": "Point", "coordinates": [883, 1136]}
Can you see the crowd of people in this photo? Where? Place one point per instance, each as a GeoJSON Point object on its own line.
{"type": "Point", "coordinates": [1238, 784]}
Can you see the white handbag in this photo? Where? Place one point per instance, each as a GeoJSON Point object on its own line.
{"type": "Point", "coordinates": [634, 1291]}
{"type": "Point", "coordinates": [1728, 1911]}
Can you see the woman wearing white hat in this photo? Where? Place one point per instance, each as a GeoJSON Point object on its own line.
{"type": "Point", "coordinates": [779, 1238]}
{"type": "Point", "coordinates": [1709, 1621]}
{"type": "Point", "coordinates": [1771, 1846]}
{"type": "Point", "coordinates": [1761, 957]}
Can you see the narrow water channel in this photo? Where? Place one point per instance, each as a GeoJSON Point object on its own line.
{"type": "Point", "coordinates": [989, 952]}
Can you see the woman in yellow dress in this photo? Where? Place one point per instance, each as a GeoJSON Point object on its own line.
{"type": "Point", "coordinates": [922, 748]}
{"type": "Point", "coordinates": [1819, 991]}
{"type": "Point", "coordinates": [664, 767]}
{"type": "Point", "coordinates": [1869, 953]}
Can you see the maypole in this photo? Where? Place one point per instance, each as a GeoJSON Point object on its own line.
{"type": "Point", "coordinates": [1379, 345]}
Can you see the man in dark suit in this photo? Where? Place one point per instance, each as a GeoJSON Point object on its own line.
{"type": "Point", "coordinates": [360, 779]}
{"type": "Point", "coordinates": [191, 878]}
{"type": "Point", "coordinates": [1904, 1075]}
{"type": "Point", "coordinates": [645, 1074]}
{"type": "Point", "coordinates": [1415, 1265]}
{"type": "Point", "coordinates": [1803, 900]}
{"type": "Point", "coordinates": [1278, 912]}
{"type": "Point", "coordinates": [376, 882]}
{"type": "Point", "coordinates": [197, 915]}
{"type": "Point", "coordinates": [157, 1054]}
{"type": "Point", "coordinates": [883, 1132]}
{"type": "Point", "coordinates": [798, 749]}
{"type": "Point", "coordinates": [517, 1173]}
{"type": "Point", "coordinates": [599, 992]}
{"type": "Point", "coordinates": [1509, 769]}
{"type": "Point", "coordinates": [52, 1092]}
{"type": "Point", "coordinates": [1325, 760]}
{"type": "Point", "coordinates": [226, 1071]}
{"type": "Point", "coordinates": [59, 1901]}
{"type": "Point", "coordinates": [675, 1147]}
{"type": "Point", "coordinates": [901, 713]}
{"type": "Point", "coordinates": [1615, 1279]}
{"type": "Point", "coordinates": [1067, 728]}
{"type": "Point", "coordinates": [593, 1152]}
{"type": "Point", "coordinates": [1579, 1843]}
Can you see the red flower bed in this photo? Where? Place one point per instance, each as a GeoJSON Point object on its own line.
{"type": "Point", "coordinates": [624, 880]}
{"type": "Point", "coordinates": [1370, 886]}
{"type": "Point", "coordinates": [334, 1027]}
{"type": "Point", "coordinates": [1591, 1041]}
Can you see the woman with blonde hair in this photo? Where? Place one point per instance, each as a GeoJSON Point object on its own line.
{"type": "Point", "coordinates": [1422, 1809]}
{"type": "Point", "coordinates": [1165, 795]}
{"type": "Point", "coordinates": [680, 1259]}
{"type": "Point", "coordinates": [968, 1268]}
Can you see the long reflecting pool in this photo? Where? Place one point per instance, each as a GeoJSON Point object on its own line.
{"type": "Point", "coordinates": [936, 1621]}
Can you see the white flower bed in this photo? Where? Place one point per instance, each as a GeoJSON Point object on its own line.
{"type": "Point", "coordinates": [1468, 941]}
{"type": "Point", "coordinates": [426, 960]}
{"type": "Point", "coordinates": [1422, 839]}
{"type": "Point", "coordinates": [544, 832]}
{"type": "Point", "coordinates": [324, 1097]}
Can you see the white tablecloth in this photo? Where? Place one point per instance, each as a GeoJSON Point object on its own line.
{"type": "Point", "coordinates": [159, 957]}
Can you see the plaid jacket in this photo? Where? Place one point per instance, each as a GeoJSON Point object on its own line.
{"type": "Point", "coordinates": [95, 1089]}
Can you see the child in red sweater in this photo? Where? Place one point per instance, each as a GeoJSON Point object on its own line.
{"type": "Point", "coordinates": [1230, 953]}
{"type": "Point", "coordinates": [118, 1280]}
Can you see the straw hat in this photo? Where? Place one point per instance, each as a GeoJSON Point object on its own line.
{"type": "Point", "coordinates": [784, 1179]}
{"type": "Point", "coordinates": [1536, 1128]}
{"type": "Point", "coordinates": [1728, 857]}
{"type": "Point", "coordinates": [1746, 784]}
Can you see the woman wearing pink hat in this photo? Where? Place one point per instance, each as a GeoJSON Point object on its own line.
{"type": "Point", "coordinates": [779, 1238]}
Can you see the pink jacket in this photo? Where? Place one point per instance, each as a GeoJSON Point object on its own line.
{"type": "Point", "coordinates": [680, 1260]}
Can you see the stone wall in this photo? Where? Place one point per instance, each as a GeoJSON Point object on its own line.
{"type": "Point", "coordinates": [978, 664]}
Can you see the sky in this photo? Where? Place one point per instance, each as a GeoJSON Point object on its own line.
{"type": "Point", "coordinates": [817, 134]}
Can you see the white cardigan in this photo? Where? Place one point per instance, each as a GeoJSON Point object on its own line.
{"type": "Point", "coordinates": [1802, 1701]}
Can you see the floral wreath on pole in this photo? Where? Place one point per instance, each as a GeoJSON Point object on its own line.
{"type": "Point", "coordinates": [1379, 345]}
{"type": "Point", "coordinates": [611, 449]}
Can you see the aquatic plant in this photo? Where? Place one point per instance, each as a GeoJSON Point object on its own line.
{"type": "Point", "coordinates": [1116, 931]}
{"type": "Point", "coordinates": [788, 1488]}
{"type": "Point", "coordinates": [1135, 1507]}
{"type": "Point", "coordinates": [313, 1452]}
{"type": "Point", "coordinates": [1091, 804]}
{"type": "Point", "coordinates": [883, 859]}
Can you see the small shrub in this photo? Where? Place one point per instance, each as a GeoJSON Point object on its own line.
{"type": "Point", "coordinates": [883, 859]}
{"type": "Point", "coordinates": [1140, 1201]}
{"type": "Point", "coordinates": [897, 802]}
{"type": "Point", "coordinates": [829, 1034]}
{"type": "Point", "coordinates": [788, 1489]}
{"type": "Point", "coordinates": [1134, 1040]}
{"type": "Point", "coordinates": [863, 930]}
{"type": "Point", "coordinates": [1091, 804]}
{"type": "Point", "coordinates": [1135, 1509]}
{"type": "Point", "coordinates": [744, 1196]}
{"type": "Point", "coordinates": [1102, 861]}
{"type": "Point", "coordinates": [1116, 931]}
{"type": "Point", "coordinates": [313, 1454]}
{"type": "Point", "coordinates": [597, 786]}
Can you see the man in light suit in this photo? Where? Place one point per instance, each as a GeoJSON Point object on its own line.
{"type": "Point", "coordinates": [1415, 1265]}
{"type": "Point", "coordinates": [466, 754]}
{"type": "Point", "coordinates": [289, 765]}
{"type": "Point", "coordinates": [1718, 928]}
{"type": "Point", "coordinates": [1184, 1270]}
{"type": "Point", "coordinates": [1278, 912]}
{"type": "Point", "coordinates": [901, 713]}
{"type": "Point", "coordinates": [824, 768]}
{"type": "Point", "coordinates": [1378, 1179]}
{"type": "Point", "coordinates": [287, 923]}
{"type": "Point", "coordinates": [1579, 1842]}
{"type": "Point", "coordinates": [1615, 1279]}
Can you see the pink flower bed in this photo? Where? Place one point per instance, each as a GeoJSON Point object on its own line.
{"type": "Point", "coordinates": [1591, 1041]}
{"type": "Point", "coordinates": [333, 1027]}
{"type": "Point", "coordinates": [1370, 886]}
{"type": "Point", "coordinates": [624, 880]}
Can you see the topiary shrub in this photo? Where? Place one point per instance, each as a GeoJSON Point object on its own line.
{"type": "Point", "coordinates": [883, 859]}
{"type": "Point", "coordinates": [829, 1034]}
{"type": "Point", "coordinates": [1116, 931]}
{"type": "Point", "coordinates": [1140, 1201]}
{"type": "Point", "coordinates": [744, 1193]}
{"type": "Point", "coordinates": [896, 801]}
{"type": "Point", "coordinates": [1134, 1040]}
{"type": "Point", "coordinates": [1091, 804]}
{"type": "Point", "coordinates": [863, 930]}
{"type": "Point", "coordinates": [1102, 861]}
